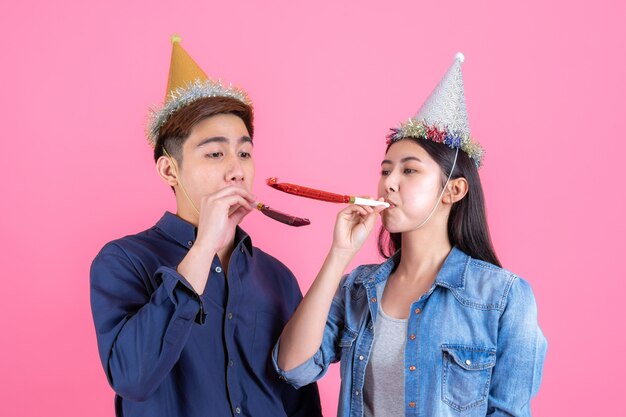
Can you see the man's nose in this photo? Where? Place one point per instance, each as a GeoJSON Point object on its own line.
{"type": "Point", "coordinates": [235, 171]}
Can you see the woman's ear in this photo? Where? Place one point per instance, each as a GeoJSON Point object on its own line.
{"type": "Point", "coordinates": [457, 189]}
{"type": "Point", "coordinates": [167, 170]}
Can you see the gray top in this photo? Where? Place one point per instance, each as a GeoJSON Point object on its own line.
{"type": "Point", "coordinates": [383, 389]}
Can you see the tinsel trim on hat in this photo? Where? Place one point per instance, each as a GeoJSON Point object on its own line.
{"type": "Point", "coordinates": [182, 97]}
{"type": "Point", "coordinates": [413, 128]}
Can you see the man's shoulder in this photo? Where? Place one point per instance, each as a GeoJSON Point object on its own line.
{"type": "Point", "coordinates": [131, 246]}
{"type": "Point", "coordinates": [264, 259]}
{"type": "Point", "coordinates": [275, 277]}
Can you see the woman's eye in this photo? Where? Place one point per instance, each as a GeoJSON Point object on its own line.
{"type": "Point", "coordinates": [245, 155]}
{"type": "Point", "coordinates": [214, 155]}
{"type": "Point", "coordinates": [409, 171]}
{"type": "Point", "coordinates": [384, 172]}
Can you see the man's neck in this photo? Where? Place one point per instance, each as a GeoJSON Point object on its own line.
{"type": "Point", "coordinates": [225, 253]}
{"type": "Point", "coordinates": [188, 214]}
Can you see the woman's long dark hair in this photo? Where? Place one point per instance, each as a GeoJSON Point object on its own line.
{"type": "Point", "coordinates": [467, 224]}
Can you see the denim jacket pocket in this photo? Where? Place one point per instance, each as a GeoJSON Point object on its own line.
{"type": "Point", "coordinates": [466, 375]}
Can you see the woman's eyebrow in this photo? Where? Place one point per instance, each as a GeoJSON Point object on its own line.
{"type": "Point", "coordinates": [405, 159]}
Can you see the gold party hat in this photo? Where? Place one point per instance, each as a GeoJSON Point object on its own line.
{"type": "Point", "coordinates": [186, 83]}
{"type": "Point", "coordinates": [183, 68]}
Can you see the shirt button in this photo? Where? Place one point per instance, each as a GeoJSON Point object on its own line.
{"type": "Point", "coordinates": [356, 393]}
{"type": "Point", "coordinates": [361, 357]}
{"type": "Point", "coordinates": [412, 337]}
{"type": "Point", "coordinates": [241, 249]}
{"type": "Point", "coordinates": [237, 410]}
{"type": "Point", "coordinates": [417, 311]}
{"type": "Point", "coordinates": [411, 368]}
{"type": "Point", "coordinates": [230, 316]}
{"type": "Point", "coordinates": [412, 404]}
{"type": "Point", "coordinates": [373, 299]}
{"type": "Point", "coordinates": [231, 363]}
{"type": "Point", "coordinates": [218, 269]}
{"type": "Point", "coordinates": [468, 362]}
{"type": "Point", "coordinates": [189, 243]}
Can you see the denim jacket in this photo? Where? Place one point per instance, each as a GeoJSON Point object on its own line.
{"type": "Point", "coordinates": [473, 346]}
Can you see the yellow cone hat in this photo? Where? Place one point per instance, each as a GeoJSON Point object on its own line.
{"type": "Point", "coordinates": [186, 83]}
{"type": "Point", "coordinates": [183, 68]}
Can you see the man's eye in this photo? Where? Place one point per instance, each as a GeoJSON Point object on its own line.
{"type": "Point", "coordinates": [245, 155]}
{"type": "Point", "coordinates": [214, 155]}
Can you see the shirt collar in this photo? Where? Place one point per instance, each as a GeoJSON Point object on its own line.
{"type": "Point", "coordinates": [184, 233]}
{"type": "Point", "coordinates": [244, 240]}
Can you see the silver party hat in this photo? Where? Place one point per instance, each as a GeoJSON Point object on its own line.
{"type": "Point", "coordinates": [445, 107]}
{"type": "Point", "coordinates": [443, 116]}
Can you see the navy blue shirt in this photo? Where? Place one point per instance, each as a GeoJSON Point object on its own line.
{"type": "Point", "coordinates": [168, 351]}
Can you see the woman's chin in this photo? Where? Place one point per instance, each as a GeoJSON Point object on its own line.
{"type": "Point", "coordinates": [392, 227]}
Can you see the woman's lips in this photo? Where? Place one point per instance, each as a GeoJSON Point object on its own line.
{"type": "Point", "coordinates": [391, 203]}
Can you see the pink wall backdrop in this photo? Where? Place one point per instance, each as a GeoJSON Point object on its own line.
{"type": "Point", "coordinates": [545, 89]}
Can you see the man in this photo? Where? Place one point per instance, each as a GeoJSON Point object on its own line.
{"type": "Point", "coordinates": [186, 312]}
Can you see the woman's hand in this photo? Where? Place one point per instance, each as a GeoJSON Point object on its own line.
{"type": "Point", "coordinates": [353, 226]}
{"type": "Point", "coordinates": [303, 334]}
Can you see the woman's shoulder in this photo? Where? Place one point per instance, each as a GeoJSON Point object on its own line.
{"type": "Point", "coordinates": [488, 286]}
{"type": "Point", "coordinates": [482, 270]}
{"type": "Point", "coordinates": [487, 269]}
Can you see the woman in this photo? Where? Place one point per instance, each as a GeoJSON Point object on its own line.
{"type": "Point", "coordinates": [439, 329]}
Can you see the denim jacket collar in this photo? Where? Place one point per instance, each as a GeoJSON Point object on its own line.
{"type": "Point", "coordinates": [451, 275]}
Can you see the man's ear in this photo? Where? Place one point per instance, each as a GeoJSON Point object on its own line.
{"type": "Point", "coordinates": [456, 190]}
{"type": "Point", "coordinates": [167, 170]}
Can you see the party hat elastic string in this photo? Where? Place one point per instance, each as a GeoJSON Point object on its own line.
{"type": "Point", "coordinates": [442, 191]}
{"type": "Point", "coordinates": [180, 180]}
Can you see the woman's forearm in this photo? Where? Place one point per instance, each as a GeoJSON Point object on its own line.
{"type": "Point", "coordinates": [302, 336]}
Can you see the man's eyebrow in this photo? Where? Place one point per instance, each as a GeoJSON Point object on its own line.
{"type": "Point", "coordinates": [222, 139]}
{"type": "Point", "coordinates": [219, 139]}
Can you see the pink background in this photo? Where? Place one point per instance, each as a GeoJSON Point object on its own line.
{"type": "Point", "coordinates": [545, 90]}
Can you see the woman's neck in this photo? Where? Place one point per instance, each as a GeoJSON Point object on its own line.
{"type": "Point", "coordinates": [423, 254]}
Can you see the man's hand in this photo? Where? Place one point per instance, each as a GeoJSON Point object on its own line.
{"type": "Point", "coordinates": [220, 213]}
